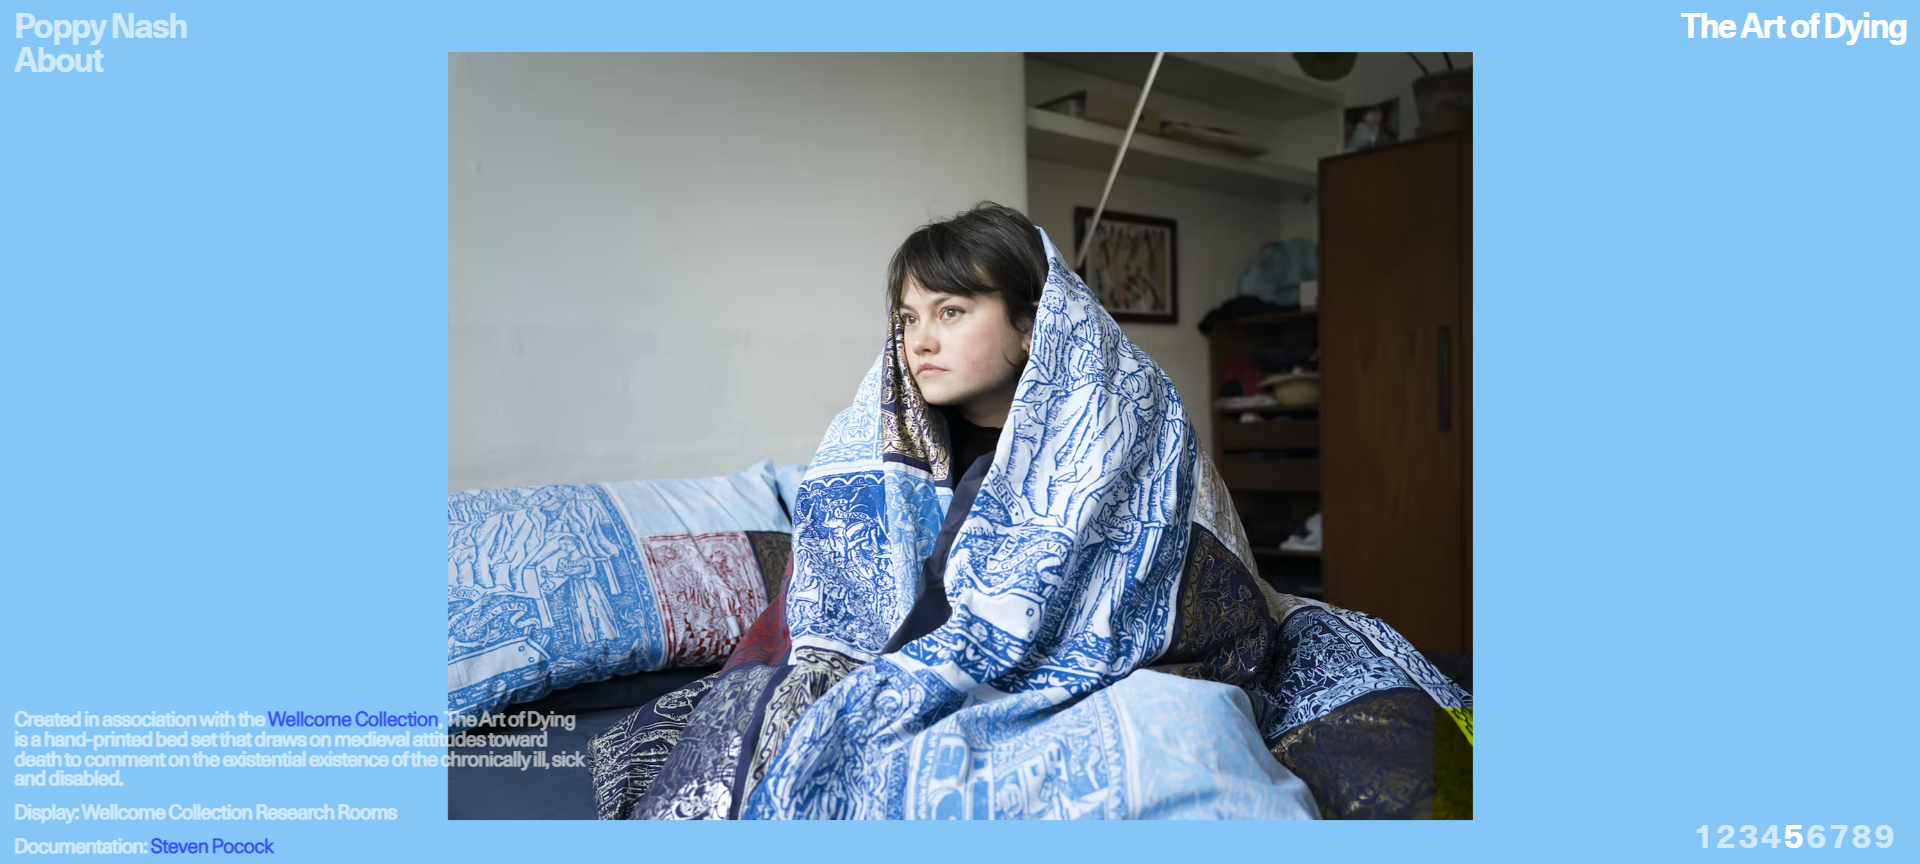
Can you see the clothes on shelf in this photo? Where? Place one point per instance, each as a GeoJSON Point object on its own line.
{"type": "Point", "coordinates": [1308, 538]}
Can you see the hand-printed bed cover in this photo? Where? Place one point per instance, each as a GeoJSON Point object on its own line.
{"type": "Point", "coordinates": [1110, 652]}
{"type": "Point", "coordinates": [553, 586]}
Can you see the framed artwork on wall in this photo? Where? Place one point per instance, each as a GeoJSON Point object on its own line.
{"type": "Point", "coordinates": [1370, 126]}
{"type": "Point", "coordinates": [1134, 265]}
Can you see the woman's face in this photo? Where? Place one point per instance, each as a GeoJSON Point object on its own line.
{"type": "Point", "coordinates": [963, 351]}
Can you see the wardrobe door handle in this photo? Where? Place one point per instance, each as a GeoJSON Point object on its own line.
{"type": "Point", "coordinates": [1446, 379]}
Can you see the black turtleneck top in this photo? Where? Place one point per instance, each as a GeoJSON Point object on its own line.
{"type": "Point", "coordinates": [970, 442]}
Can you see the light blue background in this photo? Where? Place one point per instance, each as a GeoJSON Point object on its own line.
{"type": "Point", "coordinates": [224, 433]}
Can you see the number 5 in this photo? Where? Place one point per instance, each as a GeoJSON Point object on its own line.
{"type": "Point", "coordinates": [1793, 836]}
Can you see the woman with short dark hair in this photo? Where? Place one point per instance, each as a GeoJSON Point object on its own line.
{"type": "Point", "coordinates": [1020, 590]}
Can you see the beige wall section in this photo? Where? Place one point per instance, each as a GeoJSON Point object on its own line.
{"type": "Point", "coordinates": [672, 265]}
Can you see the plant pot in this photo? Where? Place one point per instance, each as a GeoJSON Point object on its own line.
{"type": "Point", "coordinates": [1444, 101]}
{"type": "Point", "coordinates": [1326, 66]}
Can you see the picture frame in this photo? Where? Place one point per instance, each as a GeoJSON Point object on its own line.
{"type": "Point", "coordinates": [1134, 265]}
{"type": "Point", "coordinates": [1371, 126]}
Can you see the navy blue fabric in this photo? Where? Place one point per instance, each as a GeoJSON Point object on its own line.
{"type": "Point", "coordinates": [931, 609]}
{"type": "Point", "coordinates": [556, 793]}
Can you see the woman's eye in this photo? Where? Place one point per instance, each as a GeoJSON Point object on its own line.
{"type": "Point", "coordinates": [950, 313]}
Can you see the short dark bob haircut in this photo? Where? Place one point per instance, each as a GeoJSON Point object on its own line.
{"type": "Point", "coordinates": [989, 249]}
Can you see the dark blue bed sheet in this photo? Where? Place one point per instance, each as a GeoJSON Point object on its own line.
{"type": "Point", "coordinates": [554, 793]}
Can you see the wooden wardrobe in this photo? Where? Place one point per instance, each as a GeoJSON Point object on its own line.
{"type": "Point", "coordinates": [1396, 363]}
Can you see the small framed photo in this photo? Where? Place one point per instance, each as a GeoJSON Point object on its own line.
{"type": "Point", "coordinates": [1134, 265]}
{"type": "Point", "coordinates": [1370, 126]}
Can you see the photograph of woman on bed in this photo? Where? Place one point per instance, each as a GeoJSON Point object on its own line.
{"type": "Point", "coordinates": [1019, 589]}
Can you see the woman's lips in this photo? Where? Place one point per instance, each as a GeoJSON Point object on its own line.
{"type": "Point", "coordinates": [930, 369]}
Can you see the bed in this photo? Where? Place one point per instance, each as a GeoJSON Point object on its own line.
{"type": "Point", "coordinates": [677, 573]}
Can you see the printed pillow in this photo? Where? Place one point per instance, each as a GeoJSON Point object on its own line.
{"type": "Point", "coordinates": [553, 586]}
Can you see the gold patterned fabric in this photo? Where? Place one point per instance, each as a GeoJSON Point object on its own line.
{"type": "Point", "coordinates": [1371, 758]}
{"type": "Point", "coordinates": [1222, 630]}
{"type": "Point", "coordinates": [1333, 709]}
{"type": "Point", "coordinates": [625, 759]}
{"type": "Point", "coordinates": [909, 431]}
{"type": "Point", "coordinates": [774, 552]}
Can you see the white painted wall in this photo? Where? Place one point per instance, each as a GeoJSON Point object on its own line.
{"type": "Point", "coordinates": [673, 265]}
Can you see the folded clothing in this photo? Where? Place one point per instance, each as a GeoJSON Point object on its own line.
{"type": "Point", "coordinates": [1308, 538]}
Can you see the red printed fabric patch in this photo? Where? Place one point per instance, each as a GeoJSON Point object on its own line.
{"type": "Point", "coordinates": [767, 640]}
{"type": "Point", "coordinates": [709, 589]}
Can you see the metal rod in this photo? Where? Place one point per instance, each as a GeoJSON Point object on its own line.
{"type": "Point", "coordinates": [1138, 107]}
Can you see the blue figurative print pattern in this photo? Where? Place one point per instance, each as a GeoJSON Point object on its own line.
{"type": "Point", "coordinates": [1023, 758]}
{"type": "Point", "coordinates": [1195, 753]}
{"type": "Point", "coordinates": [1395, 647]}
{"type": "Point", "coordinates": [1061, 579]}
{"type": "Point", "coordinates": [1328, 665]}
{"type": "Point", "coordinates": [848, 762]}
{"type": "Point", "coordinates": [545, 589]}
{"type": "Point", "coordinates": [858, 541]}
{"type": "Point", "coordinates": [1152, 746]}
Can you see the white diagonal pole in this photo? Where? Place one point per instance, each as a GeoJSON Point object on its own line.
{"type": "Point", "coordinates": [1138, 107]}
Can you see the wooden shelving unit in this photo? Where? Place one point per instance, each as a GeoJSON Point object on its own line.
{"type": "Point", "coordinates": [1272, 467]}
{"type": "Point", "coordinates": [1283, 552]}
{"type": "Point", "coordinates": [1269, 318]}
